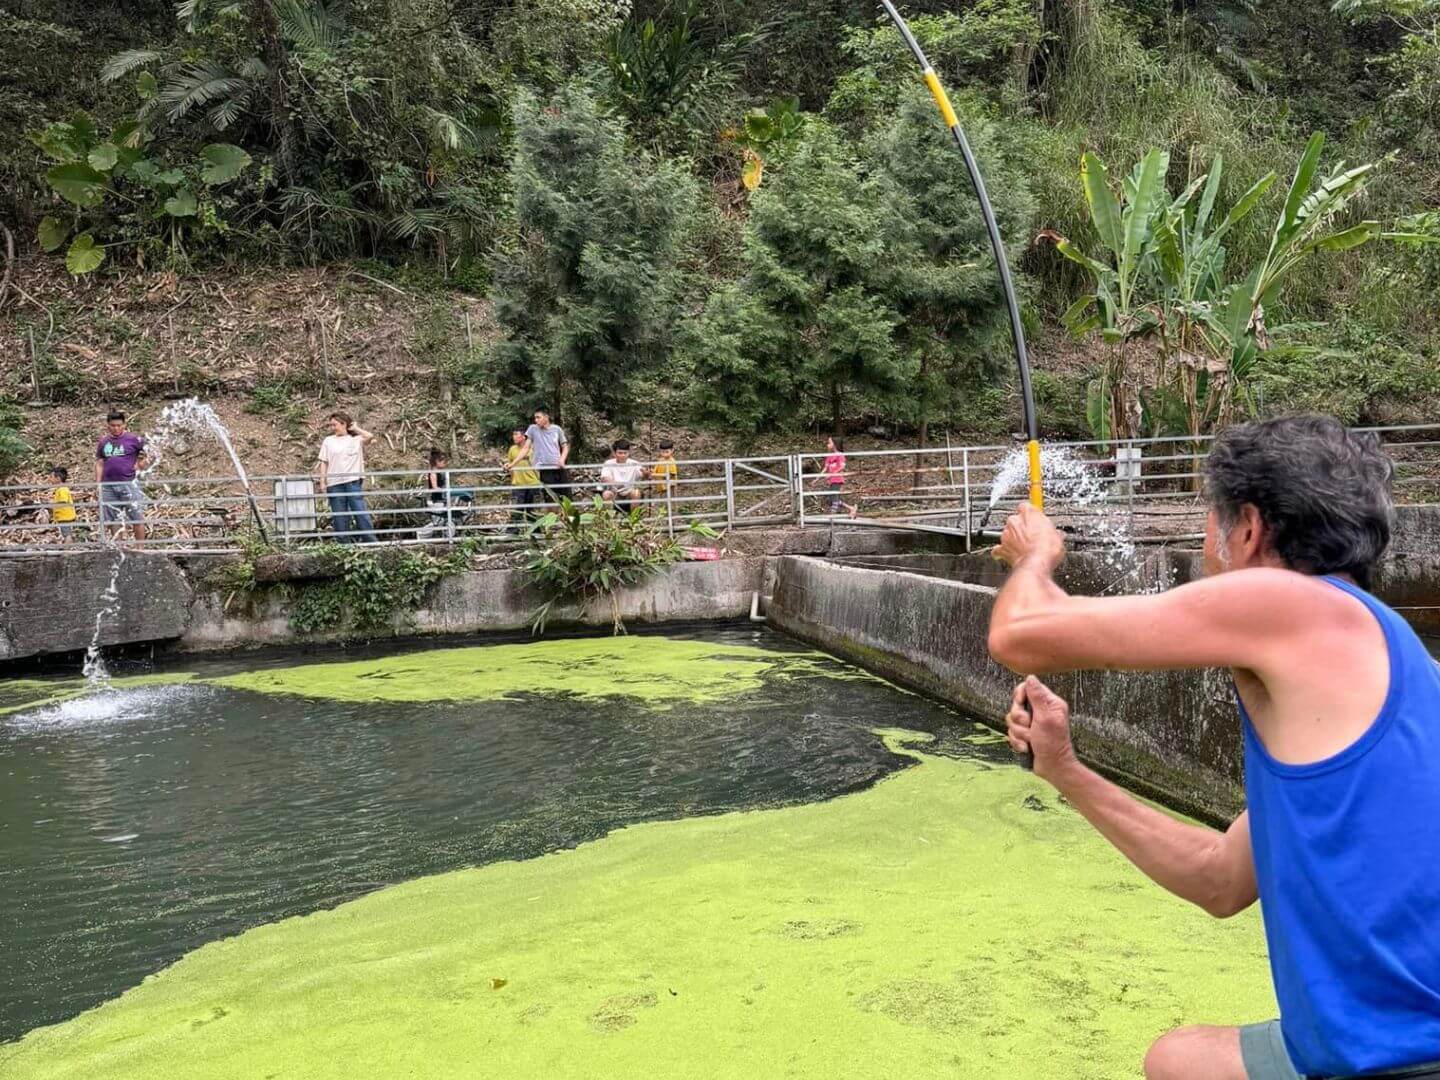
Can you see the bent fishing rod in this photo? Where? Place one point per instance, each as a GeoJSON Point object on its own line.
{"type": "Point", "coordinates": [1017, 331]}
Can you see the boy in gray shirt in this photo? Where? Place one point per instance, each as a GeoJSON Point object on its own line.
{"type": "Point", "coordinates": [547, 448]}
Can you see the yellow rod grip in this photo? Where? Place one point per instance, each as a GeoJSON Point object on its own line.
{"type": "Point", "coordinates": [1037, 489]}
{"type": "Point", "coordinates": [941, 98]}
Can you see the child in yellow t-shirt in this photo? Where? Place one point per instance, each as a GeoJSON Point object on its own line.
{"type": "Point", "coordinates": [62, 504]}
{"type": "Point", "coordinates": [524, 481]}
{"type": "Point", "coordinates": [666, 470]}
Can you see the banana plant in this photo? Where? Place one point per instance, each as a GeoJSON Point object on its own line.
{"type": "Point", "coordinates": [1163, 277]}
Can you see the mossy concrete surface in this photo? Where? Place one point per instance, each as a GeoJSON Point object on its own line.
{"type": "Point", "coordinates": [953, 921]}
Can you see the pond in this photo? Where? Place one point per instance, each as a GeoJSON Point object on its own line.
{"type": "Point", "coordinates": [617, 855]}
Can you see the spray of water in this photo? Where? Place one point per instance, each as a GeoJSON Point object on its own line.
{"type": "Point", "coordinates": [1077, 484]}
{"type": "Point", "coordinates": [96, 673]}
{"type": "Point", "coordinates": [183, 418]}
{"type": "Point", "coordinates": [177, 422]}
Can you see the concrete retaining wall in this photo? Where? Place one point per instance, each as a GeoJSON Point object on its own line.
{"type": "Point", "coordinates": [1174, 734]}
{"type": "Point", "coordinates": [48, 603]}
{"type": "Point", "coordinates": [498, 601]}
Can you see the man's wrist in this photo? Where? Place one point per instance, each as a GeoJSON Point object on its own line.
{"type": "Point", "coordinates": [1068, 775]}
{"type": "Point", "coordinates": [1043, 563]}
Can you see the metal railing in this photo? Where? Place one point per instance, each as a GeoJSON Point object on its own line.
{"type": "Point", "coordinates": [1151, 485]}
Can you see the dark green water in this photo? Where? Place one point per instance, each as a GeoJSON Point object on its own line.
{"type": "Point", "coordinates": [131, 837]}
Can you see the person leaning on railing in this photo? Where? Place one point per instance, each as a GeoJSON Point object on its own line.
{"type": "Point", "coordinates": [524, 480]}
{"type": "Point", "coordinates": [547, 449]}
{"type": "Point", "coordinates": [665, 471]}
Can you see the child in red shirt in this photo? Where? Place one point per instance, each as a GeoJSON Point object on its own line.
{"type": "Point", "coordinates": [835, 476]}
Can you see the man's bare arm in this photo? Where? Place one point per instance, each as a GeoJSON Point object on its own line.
{"type": "Point", "coordinates": [1213, 870]}
{"type": "Point", "coordinates": [1248, 619]}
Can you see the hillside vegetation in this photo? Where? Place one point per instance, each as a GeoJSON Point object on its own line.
{"type": "Point", "coordinates": [738, 220]}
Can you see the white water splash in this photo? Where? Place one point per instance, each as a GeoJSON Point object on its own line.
{"type": "Point", "coordinates": [1075, 483]}
{"type": "Point", "coordinates": [94, 669]}
{"type": "Point", "coordinates": [189, 417]}
{"type": "Point", "coordinates": [108, 707]}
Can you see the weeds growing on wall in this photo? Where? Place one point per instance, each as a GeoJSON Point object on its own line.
{"type": "Point", "coordinates": [585, 553]}
{"type": "Point", "coordinates": [371, 588]}
{"type": "Point", "coordinates": [360, 590]}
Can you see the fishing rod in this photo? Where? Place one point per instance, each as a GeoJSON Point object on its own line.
{"type": "Point", "coordinates": [1017, 331]}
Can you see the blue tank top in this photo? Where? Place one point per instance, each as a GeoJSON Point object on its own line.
{"type": "Point", "coordinates": [1347, 856]}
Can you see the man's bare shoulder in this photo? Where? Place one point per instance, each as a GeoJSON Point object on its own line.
{"type": "Point", "coordinates": [1265, 592]}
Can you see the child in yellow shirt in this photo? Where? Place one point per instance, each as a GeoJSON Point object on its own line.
{"type": "Point", "coordinates": [666, 470]}
{"type": "Point", "coordinates": [62, 504]}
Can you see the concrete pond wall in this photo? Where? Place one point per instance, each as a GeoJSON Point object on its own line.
{"type": "Point", "coordinates": [914, 608]}
{"type": "Point", "coordinates": [48, 604]}
{"type": "Point", "coordinates": [1173, 735]}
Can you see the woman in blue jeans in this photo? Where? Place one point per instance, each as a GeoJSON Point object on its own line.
{"type": "Point", "coordinates": [342, 476]}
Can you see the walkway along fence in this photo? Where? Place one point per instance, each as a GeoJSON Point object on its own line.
{"type": "Point", "coordinates": [1148, 486]}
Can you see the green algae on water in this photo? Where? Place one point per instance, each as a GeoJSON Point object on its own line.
{"type": "Point", "coordinates": [652, 669]}
{"type": "Point", "coordinates": [955, 920]}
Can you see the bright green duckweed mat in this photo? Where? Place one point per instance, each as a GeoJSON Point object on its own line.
{"type": "Point", "coordinates": [952, 921]}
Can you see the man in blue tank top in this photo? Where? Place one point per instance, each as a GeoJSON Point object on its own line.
{"type": "Point", "coordinates": [1340, 711]}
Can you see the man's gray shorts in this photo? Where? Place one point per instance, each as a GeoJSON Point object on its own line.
{"type": "Point", "coordinates": [1262, 1049]}
{"type": "Point", "coordinates": [122, 500]}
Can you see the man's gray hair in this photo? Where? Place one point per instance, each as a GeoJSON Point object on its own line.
{"type": "Point", "coordinates": [1322, 491]}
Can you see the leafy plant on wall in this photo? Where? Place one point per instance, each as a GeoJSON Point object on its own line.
{"type": "Point", "coordinates": [585, 553]}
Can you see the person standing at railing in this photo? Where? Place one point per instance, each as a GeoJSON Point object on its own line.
{"type": "Point", "coordinates": [342, 478]}
{"type": "Point", "coordinates": [117, 456]}
{"type": "Point", "coordinates": [524, 480]}
{"type": "Point", "coordinates": [835, 476]}
{"type": "Point", "coordinates": [547, 449]}
{"type": "Point", "coordinates": [62, 504]}
{"type": "Point", "coordinates": [665, 471]}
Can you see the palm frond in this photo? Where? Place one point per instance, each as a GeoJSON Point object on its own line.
{"type": "Point", "coordinates": [123, 63]}
{"type": "Point", "coordinates": [412, 223]}
{"type": "Point", "coordinates": [199, 85]}
{"type": "Point", "coordinates": [311, 26]}
{"type": "Point", "coordinates": [446, 130]}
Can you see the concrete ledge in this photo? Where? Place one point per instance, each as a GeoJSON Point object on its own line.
{"type": "Point", "coordinates": [49, 604]}
{"type": "Point", "coordinates": [496, 601]}
{"type": "Point", "coordinates": [1174, 734]}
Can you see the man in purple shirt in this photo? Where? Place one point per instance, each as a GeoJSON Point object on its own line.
{"type": "Point", "coordinates": [116, 457]}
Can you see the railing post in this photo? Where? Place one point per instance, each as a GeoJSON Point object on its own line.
{"type": "Point", "coordinates": [283, 504]}
{"type": "Point", "coordinates": [729, 493]}
{"type": "Point", "coordinates": [799, 478]}
{"type": "Point", "coordinates": [449, 517]}
{"type": "Point", "coordinates": [965, 474]}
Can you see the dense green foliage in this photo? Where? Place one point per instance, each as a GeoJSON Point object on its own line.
{"type": "Point", "coordinates": [587, 282]}
{"type": "Point", "coordinates": [745, 214]}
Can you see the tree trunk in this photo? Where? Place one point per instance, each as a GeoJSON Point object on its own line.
{"type": "Point", "coordinates": [837, 421]}
{"type": "Point", "coordinates": [924, 417]}
{"type": "Point", "coordinates": [272, 50]}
